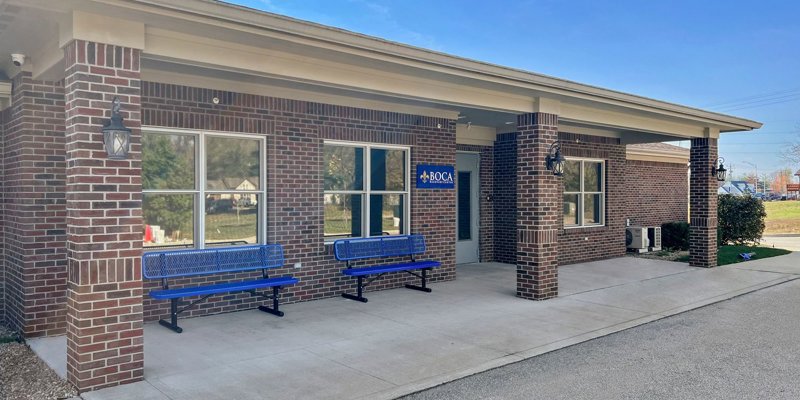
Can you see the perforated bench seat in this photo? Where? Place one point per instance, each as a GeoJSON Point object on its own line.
{"type": "Point", "coordinates": [166, 265]}
{"type": "Point", "coordinates": [381, 269]}
{"type": "Point", "coordinates": [222, 288]}
{"type": "Point", "coordinates": [350, 250]}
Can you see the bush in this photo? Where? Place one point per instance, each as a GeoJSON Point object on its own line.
{"type": "Point", "coordinates": [675, 235]}
{"type": "Point", "coordinates": [741, 219]}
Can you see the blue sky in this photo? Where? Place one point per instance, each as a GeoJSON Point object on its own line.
{"type": "Point", "coordinates": [736, 57]}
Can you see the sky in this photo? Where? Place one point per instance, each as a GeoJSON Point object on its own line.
{"type": "Point", "coordinates": [737, 57]}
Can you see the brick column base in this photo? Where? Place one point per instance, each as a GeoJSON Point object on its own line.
{"type": "Point", "coordinates": [538, 208]}
{"type": "Point", "coordinates": [703, 204]}
{"type": "Point", "coordinates": [104, 219]}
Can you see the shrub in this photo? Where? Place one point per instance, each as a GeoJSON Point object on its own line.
{"type": "Point", "coordinates": [675, 235]}
{"type": "Point", "coordinates": [741, 219]}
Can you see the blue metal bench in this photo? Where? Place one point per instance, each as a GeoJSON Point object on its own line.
{"type": "Point", "coordinates": [350, 250]}
{"type": "Point", "coordinates": [186, 263]}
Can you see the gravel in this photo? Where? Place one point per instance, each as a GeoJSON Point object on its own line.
{"type": "Point", "coordinates": [744, 348]}
{"type": "Point", "coordinates": [24, 376]}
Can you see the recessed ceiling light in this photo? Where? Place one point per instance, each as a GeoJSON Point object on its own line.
{"type": "Point", "coordinates": [509, 122]}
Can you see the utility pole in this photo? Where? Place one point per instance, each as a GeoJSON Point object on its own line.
{"type": "Point", "coordinates": [756, 167]}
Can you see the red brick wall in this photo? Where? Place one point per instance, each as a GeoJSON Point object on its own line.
{"type": "Point", "coordinates": [657, 192]}
{"type": "Point", "coordinates": [295, 131]}
{"type": "Point", "coordinates": [505, 198]}
{"type": "Point", "coordinates": [486, 241]}
{"type": "Point", "coordinates": [597, 243]}
{"type": "Point", "coordinates": [4, 116]}
{"type": "Point", "coordinates": [34, 208]}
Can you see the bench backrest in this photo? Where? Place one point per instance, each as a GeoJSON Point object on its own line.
{"type": "Point", "coordinates": [379, 246]}
{"type": "Point", "coordinates": [178, 263]}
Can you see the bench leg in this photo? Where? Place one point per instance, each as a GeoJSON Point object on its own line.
{"type": "Point", "coordinates": [422, 288]}
{"type": "Point", "coordinates": [276, 291]}
{"type": "Point", "coordinates": [173, 311]}
{"type": "Point", "coordinates": [360, 292]}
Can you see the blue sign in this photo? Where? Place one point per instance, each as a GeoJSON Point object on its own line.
{"type": "Point", "coordinates": [435, 177]}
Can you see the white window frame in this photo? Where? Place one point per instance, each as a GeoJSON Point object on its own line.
{"type": "Point", "coordinates": [583, 192]}
{"type": "Point", "coordinates": [200, 190]}
{"type": "Point", "coordinates": [367, 185]}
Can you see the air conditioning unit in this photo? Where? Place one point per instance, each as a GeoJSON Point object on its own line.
{"type": "Point", "coordinates": [636, 239]}
{"type": "Point", "coordinates": [654, 237]}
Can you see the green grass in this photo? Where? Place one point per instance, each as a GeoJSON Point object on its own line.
{"type": "Point", "coordinates": [730, 254]}
{"type": "Point", "coordinates": [782, 217]}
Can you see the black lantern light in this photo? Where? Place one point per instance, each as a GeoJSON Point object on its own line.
{"type": "Point", "coordinates": [719, 171]}
{"type": "Point", "coordinates": [555, 161]}
{"type": "Point", "coordinates": [116, 137]}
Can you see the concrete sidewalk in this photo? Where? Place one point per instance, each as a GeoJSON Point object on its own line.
{"type": "Point", "coordinates": [403, 341]}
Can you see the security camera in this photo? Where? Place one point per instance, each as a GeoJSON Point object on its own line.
{"type": "Point", "coordinates": [18, 59]}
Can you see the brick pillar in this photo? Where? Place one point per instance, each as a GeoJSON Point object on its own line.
{"type": "Point", "coordinates": [703, 204]}
{"type": "Point", "coordinates": [104, 220]}
{"type": "Point", "coordinates": [538, 208]}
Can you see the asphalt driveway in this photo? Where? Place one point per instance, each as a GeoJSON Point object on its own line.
{"type": "Point", "coordinates": [744, 348]}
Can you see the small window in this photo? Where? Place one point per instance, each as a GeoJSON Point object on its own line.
{"type": "Point", "coordinates": [360, 204]}
{"type": "Point", "coordinates": [584, 193]}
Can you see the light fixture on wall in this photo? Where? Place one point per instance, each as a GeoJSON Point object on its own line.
{"type": "Point", "coordinates": [116, 137]}
{"type": "Point", "coordinates": [554, 160]}
{"type": "Point", "coordinates": [719, 171]}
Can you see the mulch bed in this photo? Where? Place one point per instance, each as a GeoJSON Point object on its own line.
{"type": "Point", "coordinates": [24, 376]}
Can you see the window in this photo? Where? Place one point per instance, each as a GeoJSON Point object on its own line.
{"type": "Point", "coordinates": [584, 193]}
{"type": "Point", "coordinates": [201, 189]}
{"type": "Point", "coordinates": [366, 190]}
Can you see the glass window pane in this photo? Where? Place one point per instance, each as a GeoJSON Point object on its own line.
{"type": "Point", "coordinates": [592, 176]}
{"type": "Point", "coordinates": [388, 169]}
{"type": "Point", "coordinates": [464, 203]}
{"type": "Point", "coordinates": [232, 163]}
{"type": "Point", "coordinates": [168, 220]}
{"type": "Point", "coordinates": [387, 214]}
{"type": "Point", "coordinates": [570, 209]}
{"type": "Point", "coordinates": [231, 219]}
{"type": "Point", "coordinates": [344, 167]}
{"type": "Point", "coordinates": [572, 176]}
{"type": "Point", "coordinates": [342, 215]}
{"type": "Point", "coordinates": [591, 209]}
{"type": "Point", "coordinates": [168, 161]}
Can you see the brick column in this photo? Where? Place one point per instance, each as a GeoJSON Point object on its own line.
{"type": "Point", "coordinates": [104, 220]}
{"type": "Point", "coordinates": [703, 204]}
{"type": "Point", "coordinates": [538, 208]}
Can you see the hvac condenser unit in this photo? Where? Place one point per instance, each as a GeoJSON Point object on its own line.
{"type": "Point", "coordinates": [636, 239]}
{"type": "Point", "coordinates": [654, 237]}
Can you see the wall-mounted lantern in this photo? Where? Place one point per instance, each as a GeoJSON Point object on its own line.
{"type": "Point", "coordinates": [555, 161]}
{"type": "Point", "coordinates": [116, 137]}
{"type": "Point", "coordinates": [719, 171]}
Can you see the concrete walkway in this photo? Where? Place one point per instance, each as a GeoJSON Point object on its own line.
{"type": "Point", "coordinates": [404, 341]}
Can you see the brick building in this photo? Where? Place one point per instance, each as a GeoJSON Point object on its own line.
{"type": "Point", "coordinates": [250, 127]}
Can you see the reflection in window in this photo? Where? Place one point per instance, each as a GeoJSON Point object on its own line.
{"type": "Point", "coordinates": [347, 187]}
{"type": "Point", "coordinates": [168, 162]}
{"type": "Point", "coordinates": [168, 219]}
{"type": "Point", "coordinates": [584, 193]}
{"type": "Point", "coordinates": [231, 218]}
{"type": "Point", "coordinates": [343, 215]}
{"type": "Point", "coordinates": [226, 201]}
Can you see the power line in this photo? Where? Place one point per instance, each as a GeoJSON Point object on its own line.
{"type": "Point", "coordinates": [789, 100]}
{"type": "Point", "coordinates": [748, 98]}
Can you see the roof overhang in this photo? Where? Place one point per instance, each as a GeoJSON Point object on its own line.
{"type": "Point", "coordinates": [223, 44]}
